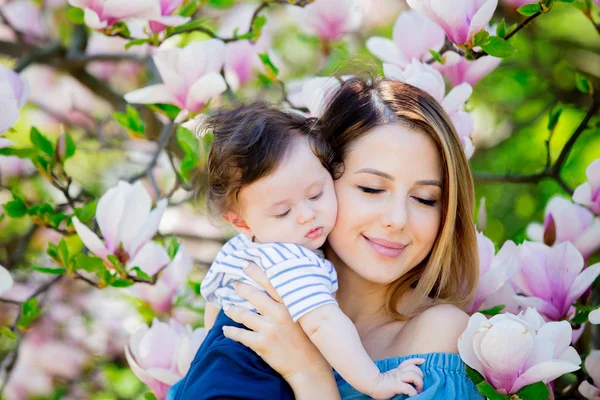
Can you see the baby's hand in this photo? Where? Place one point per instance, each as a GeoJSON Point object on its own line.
{"type": "Point", "coordinates": [406, 379]}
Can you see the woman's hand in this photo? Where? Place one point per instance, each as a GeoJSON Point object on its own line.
{"type": "Point", "coordinates": [278, 340]}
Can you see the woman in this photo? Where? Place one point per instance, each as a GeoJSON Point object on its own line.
{"type": "Point", "coordinates": [404, 248]}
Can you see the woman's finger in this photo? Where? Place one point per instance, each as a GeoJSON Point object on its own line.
{"type": "Point", "coordinates": [259, 276]}
{"type": "Point", "coordinates": [243, 336]}
{"type": "Point", "coordinates": [243, 316]}
{"type": "Point", "coordinates": [262, 301]}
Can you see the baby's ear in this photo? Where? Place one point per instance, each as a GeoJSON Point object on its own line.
{"type": "Point", "coordinates": [238, 223]}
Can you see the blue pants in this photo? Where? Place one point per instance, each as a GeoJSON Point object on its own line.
{"type": "Point", "coordinates": [224, 369]}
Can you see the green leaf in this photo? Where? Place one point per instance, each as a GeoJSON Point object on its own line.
{"type": "Point", "coordinates": [264, 57]}
{"type": "Point", "coordinates": [535, 391]}
{"type": "Point", "coordinates": [41, 143]}
{"type": "Point", "coordinates": [51, 271]}
{"type": "Point", "coordinates": [187, 141]}
{"type": "Point", "coordinates": [554, 116]}
{"type": "Point", "coordinates": [474, 375]}
{"type": "Point", "coordinates": [29, 312]}
{"type": "Point", "coordinates": [70, 146]}
{"type": "Point", "coordinates": [257, 26]}
{"type": "Point", "coordinates": [52, 251]}
{"type": "Point", "coordinates": [529, 9]}
{"type": "Point", "coordinates": [189, 26]}
{"type": "Point", "coordinates": [488, 391]}
{"type": "Point", "coordinates": [135, 42]}
{"type": "Point", "coordinates": [501, 29]}
{"type": "Point", "coordinates": [15, 208]}
{"type": "Point", "coordinates": [498, 47]}
{"type": "Point", "coordinates": [87, 212]}
{"type": "Point", "coordinates": [566, 1]}
{"type": "Point", "coordinates": [187, 10]}
{"type": "Point", "coordinates": [141, 274]}
{"type": "Point", "coordinates": [75, 15]}
{"type": "Point", "coordinates": [221, 3]}
{"type": "Point", "coordinates": [63, 252]}
{"type": "Point", "coordinates": [582, 314]}
{"type": "Point", "coordinates": [480, 38]}
{"type": "Point", "coordinates": [21, 153]}
{"type": "Point", "coordinates": [5, 331]}
{"type": "Point", "coordinates": [122, 283]}
{"type": "Point", "coordinates": [89, 263]}
{"type": "Point", "coordinates": [173, 247]}
{"type": "Point", "coordinates": [149, 396]}
{"type": "Point", "coordinates": [169, 110]}
{"type": "Point", "coordinates": [583, 84]}
{"type": "Point", "coordinates": [493, 311]}
{"type": "Point", "coordinates": [436, 56]}
{"type": "Point", "coordinates": [130, 120]}
{"type": "Point", "coordinates": [116, 263]}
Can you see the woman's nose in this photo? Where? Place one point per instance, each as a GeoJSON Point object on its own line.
{"type": "Point", "coordinates": [395, 216]}
{"type": "Point", "coordinates": [305, 214]}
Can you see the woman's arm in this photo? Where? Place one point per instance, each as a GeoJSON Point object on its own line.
{"type": "Point", "coordinates": [280, 342]}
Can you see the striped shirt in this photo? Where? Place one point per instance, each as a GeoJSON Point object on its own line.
{"type": "Point", "coordinates": [303, 279]}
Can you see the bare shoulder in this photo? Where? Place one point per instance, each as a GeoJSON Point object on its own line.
{"type": "Point", "coordinates": [436, 330]}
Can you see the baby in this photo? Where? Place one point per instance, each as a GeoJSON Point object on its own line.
{"type": "Point", "coordinates": [270, 177]}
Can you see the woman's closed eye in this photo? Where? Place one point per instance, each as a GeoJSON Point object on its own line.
{"type": "Point", "coordinates": [427, 202]}
{"type": "Point", "coordinates": [370, 190]}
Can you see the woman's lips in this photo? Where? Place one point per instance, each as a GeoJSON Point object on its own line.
{"type": "Point", "coordinates": [314, 233]}
{"type": "Point", "coordinates": [385, 247]}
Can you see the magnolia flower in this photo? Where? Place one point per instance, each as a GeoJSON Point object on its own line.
{"type": "Point", "coordinates": [161, 355]}
{"type": "Point", "coordinates": [167, 8]}
{"type": "Point", "coordinates": [315, 94]}
{"type": "Point", "coordinates": [588, 194]}
{"type": "Point", "coordinates": [101, 14]}
{"type": "Point", "coordinates": [494, 271]}
{"type": "Point", "coordinates": [551, 279]}
{"type": "Point", "coordinates": [11, 166]}
{"type": "Point", "coordinates": [26, 17]}
{"type": "Point", "coordinates": [6, 280]}
{"type": "Point", "coordinates": [459, 70]}
{"type": "Point", "coordinates": [13, 94]}
{"type": "Point", "coordinates": [592, 366]}
{"type": "Point", "coordinates": [190, 76]}
{"type": "Point", "coordinates": [330, 19]}
{"type": "Point", "coordinates": [460, 19]}
{"type": "Point", "coordinates": [171, 281]}
{"type": "Point", "coordinates": [426, 78]}
{"type": "Point", "coordinates": [414, 35]}
{"type": "Point", "coordinates": [517, 3]}
{"type": "Point", "coordinates": [512, 351]}
{"type": "Point", "coordinates": [568, 222]}
{"type": "Point", "coordinates": [127, 225]}
{"type": "Point", "coordinates": [594, 316]}
{"type": "Point", "coordinates": [241, 63]}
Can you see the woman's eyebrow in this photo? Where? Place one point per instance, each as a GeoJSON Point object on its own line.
{"type": "Point", "coordinates": [375, 172]}
{"type": "Point", "coordinates": [429, 183]}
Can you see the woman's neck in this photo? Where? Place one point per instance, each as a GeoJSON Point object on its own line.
{"type": "Point", "coordinates": [362, 301]}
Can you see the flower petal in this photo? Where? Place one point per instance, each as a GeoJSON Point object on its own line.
{"type": "Point", "coordinates": [386, 50]}
{"type": "Point", "coordinates": [152, 94]}
{"type": "Point", "coordinates": [90, 239]}
{"type": "Point", "coordinates": [6, 280]}
{"type": "Point", "coordinates": [209, 86]}
{"type": "Point", "coordinates": [151, 258]}
{"type": "Point", "coordinates": [135, 213]}
{"type": "Point", "coordinates": [544, 372]}
{"type": "Point", "coordinates": [148, 230]}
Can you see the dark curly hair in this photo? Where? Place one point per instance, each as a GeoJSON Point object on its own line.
{"type": "Point", "coordinates": [249, 142]}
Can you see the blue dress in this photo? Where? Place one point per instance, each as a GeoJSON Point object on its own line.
{"type": "Point", "coordinates": [444, 377]}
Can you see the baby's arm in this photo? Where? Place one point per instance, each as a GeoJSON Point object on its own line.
{"type": "Point", "coordinates": [210, 315]}
{"type": "Point", "coordinates": [336, 337]}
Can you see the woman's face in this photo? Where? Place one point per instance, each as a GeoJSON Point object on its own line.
{"type": "Point", "coordinates": [389, 203]}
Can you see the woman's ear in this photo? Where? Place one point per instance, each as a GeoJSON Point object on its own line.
{"type": "Point", "coordinates": [238, 223]}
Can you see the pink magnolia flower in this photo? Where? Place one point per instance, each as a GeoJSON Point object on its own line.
{"type": "Point", "coordinates": [460, 19]}
{"type": "Point", "coordinates": [241, 63]}
{"type": "Point", "coordinates": [171, 281]}
{"type": "Point", "coordinates": [568, 222]}
{"type": "Point", "coordinates": [12, 166]}
{"type": "Point", "coordinates": [494, 270]}
{"type": "Point", "coordinates": [127, 225]}
{"type": "Point", "coordinates": [594, 316]}
{"type": "Point", "coordinates": [414, 35]}
{"type": "Point", "coordinates": [13, 94]}
{"type": "Point", "coordinates": [101, 14]}
{"type": "Point", "coordinates": [330, 19]}
{"type": "Point", "coordinates": [26, 17]}
{"type": "Point", "coordinates": [551, 279]}
{"type": "Point", "coordinates": [459, 70]}
{"type": "Point", "coordinates": [315, 93]}
{"type": "Point", "coordinates": [190, 76]}
{"type": "Point", "coordinates": [161, 355]}
{"type": "Point", "coordinates": [513, 351]}
{"type": "Point", "coordinates": [588, 193]}
{"type": "Point", "coordinates": [426, 78]}
{"type": "Point", "coordinates": [517, 3]}
{"type": "Point", "coordinates": [6, 280]}
{"type": "Point", "coordinates": [592, 366]}
{"type": "Point", "coordinates": [167, 8]}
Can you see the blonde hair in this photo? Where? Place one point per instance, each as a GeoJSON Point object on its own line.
{"type": "Point", "coordinates": [449, 274]}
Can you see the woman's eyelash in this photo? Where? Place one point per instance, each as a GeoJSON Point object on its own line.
{"type": "Point", "coordinates": [370, 190]}
{"type": "Point", "coordinates": [282, 214]}
{"type": "Point", "coordinates": [426, 202]}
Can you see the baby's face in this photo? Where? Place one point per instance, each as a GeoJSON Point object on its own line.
{"type": "Point", "coordinates": [295, 204]}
